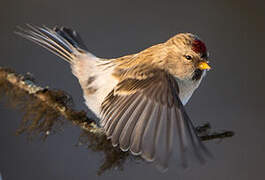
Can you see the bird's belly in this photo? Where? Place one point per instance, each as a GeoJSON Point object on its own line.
{"type": "Point", "coordinates": [96, 92]}
{"type": "Point", "coordinates": [96, 81]}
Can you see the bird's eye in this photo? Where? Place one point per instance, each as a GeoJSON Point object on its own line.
{"type": "Point", "coordinates": [188, 57]}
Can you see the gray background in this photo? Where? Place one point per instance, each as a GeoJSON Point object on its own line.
{"type": "Point", "coordinates": [231, 97]}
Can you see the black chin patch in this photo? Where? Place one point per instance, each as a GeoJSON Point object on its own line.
{"type": "Point", "coordinates": [197, 74]}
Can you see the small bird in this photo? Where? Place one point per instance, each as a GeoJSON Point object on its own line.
{"type": "Point", "coordinates": [138, 98]}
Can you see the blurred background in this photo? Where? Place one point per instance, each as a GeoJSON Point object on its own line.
{"type": "Point", "coordinates": [231, 97]}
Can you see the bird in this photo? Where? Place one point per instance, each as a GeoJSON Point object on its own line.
{"type": "Point", "coordinates": [139, 98]}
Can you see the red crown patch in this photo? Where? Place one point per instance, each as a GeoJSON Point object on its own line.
{"type": "Point", "coordinates": [199, 47]}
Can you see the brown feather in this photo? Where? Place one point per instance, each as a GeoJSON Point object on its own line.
{"type": "Point", "coordinates": [147, 118]}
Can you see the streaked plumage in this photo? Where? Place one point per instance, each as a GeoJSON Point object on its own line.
{"type": "Point", "coordinates": [139, 98]}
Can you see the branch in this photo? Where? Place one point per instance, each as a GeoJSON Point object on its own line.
{"type": "Point", "coordinates": [45, 110]}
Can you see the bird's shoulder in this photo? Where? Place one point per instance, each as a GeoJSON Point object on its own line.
{"type": "Point", "coordinates": [156, 85]}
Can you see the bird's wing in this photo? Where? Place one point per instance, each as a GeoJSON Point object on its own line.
{"type": "Point", "coordinates": [147, 117]}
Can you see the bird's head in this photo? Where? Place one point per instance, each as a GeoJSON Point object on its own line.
{"type": "Point", "coordinates": [187, 56]}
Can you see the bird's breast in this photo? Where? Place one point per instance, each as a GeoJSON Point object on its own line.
{"type": "Point", "coordinates": [102, 86]}
{"type": "Point", "coordinates": [186, 88]}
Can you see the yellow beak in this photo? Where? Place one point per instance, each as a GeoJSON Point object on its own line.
{"type": "Point", "coordinates": [204, 66]}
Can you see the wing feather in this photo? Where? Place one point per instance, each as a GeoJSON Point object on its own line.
{"type": "Point", "coordinates": [147, 117]}
{"type": "Point", "coordinates": [115, 117]}
{"type": "Point", "coordinates": [125, 136]}
{"type": "Point", "coordinates": [137, 134]}
{"type": "Point", "coordinates": [109, 110]}
{"type": "Point", "coordinates": [148, 142]}
{"type": "Point", "coordinates": [123, 120]}
{"type": "Point", "coordinates": [161, 148]}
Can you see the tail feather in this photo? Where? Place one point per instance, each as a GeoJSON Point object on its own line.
{"type": "Point", "coordinates": [63, 42]}
{"type": "Point", "coordinates": [72, 36]}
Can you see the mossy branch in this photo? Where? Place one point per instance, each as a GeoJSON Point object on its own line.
{"type": "Point", "coordinates": [45, 110]}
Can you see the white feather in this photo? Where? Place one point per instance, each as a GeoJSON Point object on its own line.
{"type": "Point", "coordinates": [187, 87]}
{"type": "Point", "coordinates": [87, 66]}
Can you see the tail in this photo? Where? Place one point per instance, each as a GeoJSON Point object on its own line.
{"type": "Point", "coordinates": [63, 42]}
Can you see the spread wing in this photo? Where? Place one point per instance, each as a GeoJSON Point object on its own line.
{"type": "Point", "coordinates": [147, 117]}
